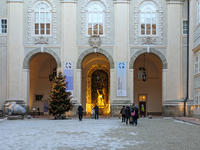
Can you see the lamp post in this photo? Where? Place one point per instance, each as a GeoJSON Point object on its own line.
{"type": "Point", "coordinates": [50, 75]}
{"type": "Point", "coordinates": [144, 72]}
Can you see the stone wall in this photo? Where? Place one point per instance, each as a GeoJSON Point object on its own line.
{"type": "Point", "coordinates": [176, 111]}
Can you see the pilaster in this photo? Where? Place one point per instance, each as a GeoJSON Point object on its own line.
{"type": "Point", "coordinates": [174, 51]}
{"type": "Point", "coordinates": [15, 49]}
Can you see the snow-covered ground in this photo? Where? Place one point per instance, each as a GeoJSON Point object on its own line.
{"type": "Point", "coordinates": [46, 134]}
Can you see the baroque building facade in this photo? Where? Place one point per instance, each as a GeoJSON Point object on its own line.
{"type": "Point", "coordinates": [113, 53]}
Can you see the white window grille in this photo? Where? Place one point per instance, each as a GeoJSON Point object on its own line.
{"type": "Point", "coordinates": [42, 19]}
{"type": "Point", "coordinates": [3, 26]}
{"type": "Point", "coordinates": [185, 26]}
{"type": "Point", "coordinates": [148, 19]}
{"type": "Point", "coordinates": [95, 18]}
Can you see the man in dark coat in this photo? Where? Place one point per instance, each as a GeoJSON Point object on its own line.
{"type": "Point", "coordinates": [135, 108]}
{"type": "Point", "coordinates": [80, 112]}
{"type": "Point", "coordinates": [127, 114]}
{"type": "Point", "coordinates": [96, 112]}
{"type": "Point", "coordinates": [123, 113]}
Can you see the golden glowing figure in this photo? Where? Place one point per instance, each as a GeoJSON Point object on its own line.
{"type": "Point", "coordinates": [100, 100]}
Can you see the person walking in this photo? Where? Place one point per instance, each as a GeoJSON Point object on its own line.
{"type": "Point", "coordinates": [131, 110]}
{"type": "Point", "coordinates": [136, 116]}
{"type": "Point", "coordinates": [80, 112]}
{"type": "Point", "coordinates": [142, 111]}
{"type": "Point", "coordinates": [96, 108]}
{"type": "Point", "coordinates": [93, 113]}
{"type": "Point", "coordinates": [123, 113]}
{"type": "Point", "coordinates": [127, 114]}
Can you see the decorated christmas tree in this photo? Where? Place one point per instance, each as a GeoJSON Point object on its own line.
{"type": "Point", "coordinates": [59, 99]}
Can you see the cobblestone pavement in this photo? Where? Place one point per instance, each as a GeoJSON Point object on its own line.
{"type": "Point", "coordinates": [48, 134]}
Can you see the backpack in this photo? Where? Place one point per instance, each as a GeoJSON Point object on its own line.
{"type": "Point", "coordinates": [133, 113]}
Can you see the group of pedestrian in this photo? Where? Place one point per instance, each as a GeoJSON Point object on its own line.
{"type": "Point", "coordinates": [95, 112]}
{"type": "Point", "coordinates": [130, 113]}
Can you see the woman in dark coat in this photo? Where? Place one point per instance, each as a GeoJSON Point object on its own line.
{"type": "Point", "coordinates": [127, 114]}
{"type": "Point", "coordinates": [135, 108]}
{"type": "Point", "coordinates": [80, 112]}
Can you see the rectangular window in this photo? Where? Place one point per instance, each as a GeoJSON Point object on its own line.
{"type": "Point", "coordinates": [38, 97]}
{"type": "Point", "coordinates": [142, 98]}
{"type": "Point", "coordinates": [185, 26]}
{"type": "Point", "coordinates": [3, 26]}
{"type": "Point", "coordinates": [199, 11]}
{"type": "Point", "coordinates": [196, 64]}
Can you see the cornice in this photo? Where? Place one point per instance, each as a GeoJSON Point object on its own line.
{"type": "Point", "coordinates": [15, 1]}
{"type": "Point", "coordinates": [196, 49]}
{"type": "Point", "coordinates": [68, 1]}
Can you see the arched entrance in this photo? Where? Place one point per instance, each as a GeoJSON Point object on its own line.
{"type": "Point", "coordinates": [148, 92]}
{"type": "Point", "coordinates": [98, 89]}
{"type": "Point", "coordinates": [95, 83]}
{"type": "Point", "coordinates": [39, 66]}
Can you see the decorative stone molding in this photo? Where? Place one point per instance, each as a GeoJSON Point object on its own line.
{"type": "Point", "coordinates": [41, 40]}
{"type": "Point", "coordinates": [160, 18]}
{"type": "Point", "coordinates": [95, 41]}
{"type": "Point", "coordinates": [148, 41]}
{"type": "Point", "coordinates": [30, 19]}
{"type": "Point", "coordinates": [68, 1]}
{"type": "Point", "coordinates": [175, 1]}
{"type": "Point", "coordinates": [35, 52]}
{"type": "Point", "coordinates": [107, 20]}
{"type": "Point", "coordinates": [154, 51]}
{"type": "Point", "coordinates": [98, 50]}
{"type": "Point", "coordinates": [15, 1]}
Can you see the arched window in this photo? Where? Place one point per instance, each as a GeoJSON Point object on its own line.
{"type": "Point", "coordinates": [42, 19]}
{"type": "Point", "coordinates": [148, 19]}
{"type": "Point", "coordinates": [95, 14]}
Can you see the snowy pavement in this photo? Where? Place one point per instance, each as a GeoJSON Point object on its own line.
{"type": "Point", "coordinates": [47, 134]}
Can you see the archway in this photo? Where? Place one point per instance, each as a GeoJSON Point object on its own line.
{"type": "Point", "coordinates": [95, 83]}
{"type": "Point", "coordinates": [39, 65]}
{"type": "Point", "coordinates": [148, 92]}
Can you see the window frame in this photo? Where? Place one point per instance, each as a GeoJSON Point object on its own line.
{"type": "Point", "coordinates": [34, 22]}
{"type": "Point", "coordinates": [157, 20]}
{"type": "Point", "coordinates": [197, 96]}
{"type": "Point", "coordinates": [185, 20]}
{"type": "Point", "coordinates": [197, 63]}
{"type": "Point", "coordinates": [1, 26]}
{"type": "Point", "coordinates": [87, 19]}
{"type": "Point", "coordinates": [198, 11]}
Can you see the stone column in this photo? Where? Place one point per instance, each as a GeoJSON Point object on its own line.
{"type": "Point", "coordinates": [15, 50]}
{"type": "Point", "coordinates": [26, 87]}
{"type": "Point", "coordinates": [131, 83]}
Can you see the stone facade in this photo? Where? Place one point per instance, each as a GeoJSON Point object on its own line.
{"type": "Point", "coordinates": [27, 58]}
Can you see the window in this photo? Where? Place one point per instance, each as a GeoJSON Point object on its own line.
{"type": "Point", "coordinates": [38, 97]}
{"type": "Point", "coordinates": [42, 19]}
{"type": "Point", "coordinates": [142, 98]}
{"type": "Point", "coordinates": [197, 63]}
{"type": "Point", "coordinates": [199, 11]}
{"type": "Point", "coordinates": [95, 19]}
{"type": "Point", "coordinates": [3, 25]}
{"type": "Point", "coordinates": [148, 19]}
{"type": "Point", "coordinates": [197, 97]}
{"type": "Point", "coordinates": [185, 26]}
